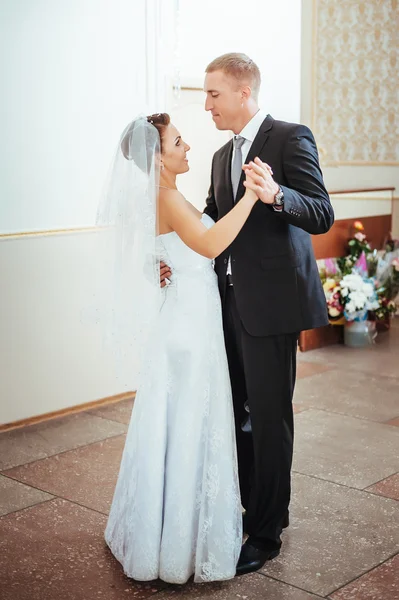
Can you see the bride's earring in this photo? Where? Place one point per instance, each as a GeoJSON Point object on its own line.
{"type": "Point", "coordinates": [162, 166]}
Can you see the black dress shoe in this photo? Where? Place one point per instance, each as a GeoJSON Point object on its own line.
{"type": "Point", "coordinates": [252, 559]}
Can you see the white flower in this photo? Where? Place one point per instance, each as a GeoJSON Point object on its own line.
{"type": "Point", "coordinates": [350, 306]}
{"type": "Point", "coordinates": [358, 298]}
{"type": "Point", "coordinates": [353, 281]}
{"type": "Point", "coordinates": [368, 290]}
{"type": "Point", "coordinates": [373, 305]}
{"type": "Point", "coordinates": [359, 295]}
{"type": "Point", "coordinates": [359, 236]}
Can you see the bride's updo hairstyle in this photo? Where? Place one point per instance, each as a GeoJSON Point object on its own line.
{"type": "Point", "coordinates": [135, 152]}
{"type": "Point", "coordinates": [160, 121]}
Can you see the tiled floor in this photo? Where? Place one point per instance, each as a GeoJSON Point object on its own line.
{"type": "Point", "coordinates": [57, 480]}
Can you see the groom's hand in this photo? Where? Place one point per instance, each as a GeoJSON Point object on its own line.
{"type": "Point", "coordinates": [164, 274]}
{"type": "Point", "coordinates": [260, 180]}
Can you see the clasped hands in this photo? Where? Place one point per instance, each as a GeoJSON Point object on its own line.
{"type": "Point", "coordinates": [259, 178]}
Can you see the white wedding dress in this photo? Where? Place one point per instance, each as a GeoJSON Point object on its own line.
{"type": "Point", "coordinates": [176, 510]}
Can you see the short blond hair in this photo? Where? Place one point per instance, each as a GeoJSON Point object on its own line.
{"type": "Point", "coordinates": [239, 66]}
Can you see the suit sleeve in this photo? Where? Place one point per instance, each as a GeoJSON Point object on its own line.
{"type": "Point", "coordinates": [211, 208]}
{"type": "Point", "coordinates": [306, 201]}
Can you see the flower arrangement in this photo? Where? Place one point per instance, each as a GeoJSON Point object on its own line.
{"type": "Point", "coordinates": [332, 292]}
{"type": "Point", "coordinates": [357, 246]}
{"type": "Point", "coordinates": [364, 284]}
{"type": "Point", "coordinates": [388, 291]}
{"type": "Point", "coordinates": [350, 296]}
{"type": "Point", "coordinates": [359, 296]}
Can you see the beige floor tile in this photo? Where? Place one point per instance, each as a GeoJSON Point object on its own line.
{"type": "Point", "coordinates": [394, 422]}
{"type": "Point", "coordinates": [371, 360]}
{"type": "Point", "coordinates": [117, 411]}
{"type": "Point", "coordinates": [382, 583]}
{"type": "Point", "coordinates": [307, 369]}
{"type": "Point", "coordinates": [335, 535]}
{"type": "Point", "coordinates": [343, 449]}
{"type": "Point", "coordinates": [350, 393]}
{"type": "Point", "coordinates": [15, 495]}
{"type": "Point", "coordinates": [27, 444]}
{"type": "Point", "coordinates": [299, 408]}
{"type": "Point", "coordinates": [55, 551]}
{"type": "Point", "coordinates": [249, 587]}
{"type": "Point", "coordinates": [86, 475]}
{"type": "Point", "coordinates": [378, 359]}
{"type": "Point", "coordinates": [388, 487]}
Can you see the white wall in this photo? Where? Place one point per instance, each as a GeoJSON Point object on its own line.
{"type": "Point", "coordinates": [268, 31]}
{"type": "Point", "coordinates": [74, 74]}
{"type": "Point", "coordinates": [361, 204]}
{"type": "Point", "coordinates": [199, 131]}
{"type": "Point", "coordinates": [52, 356]}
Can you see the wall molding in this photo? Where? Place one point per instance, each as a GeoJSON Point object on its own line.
{"type": "Point", "coordinates": [48, 232]}
{"type": "Point", "coordinates": [67, 411]}
{"type": "Point", "coordinates": [363, 190]}
{"type": "Point", "coordinates": [91, 229]}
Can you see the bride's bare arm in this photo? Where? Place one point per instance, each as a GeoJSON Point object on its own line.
{"type": "Point", "coordinates": [208, 242]}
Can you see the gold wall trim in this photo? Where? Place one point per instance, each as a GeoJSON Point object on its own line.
{"type": "Point", "coordinates": [363, 190]}
{"type": "Point", "coordinates": [358, 197]}
{"type": "Point", "coordinates": [67, 411]}
{"type": "Point", "coordinates": [186, 88]}
{"type": "Point", "coordinates": [47, 232]}
{"type": "Point", "coordinates": [357, 163]}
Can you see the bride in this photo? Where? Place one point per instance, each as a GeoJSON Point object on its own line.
{"type": "Point", "coordinates": [176, 509]}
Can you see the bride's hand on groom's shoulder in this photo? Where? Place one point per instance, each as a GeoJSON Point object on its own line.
{"type": "Point", "coordinates": [259, 178]}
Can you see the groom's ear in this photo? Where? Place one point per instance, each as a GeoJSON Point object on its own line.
{"type": "Point", "coordinates": [246, 92]}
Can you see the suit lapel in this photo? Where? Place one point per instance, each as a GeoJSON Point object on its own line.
{"type": "Point", "coordinates": [254, 151]}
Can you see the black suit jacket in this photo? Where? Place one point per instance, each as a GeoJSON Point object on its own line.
{"type": "Point", "coordinates": [276, 281]}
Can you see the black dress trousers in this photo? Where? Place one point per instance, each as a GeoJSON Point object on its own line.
{"type": "Point", "coordinates": [262, 373]}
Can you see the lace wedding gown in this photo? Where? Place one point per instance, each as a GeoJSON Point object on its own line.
{"type": "Point", "coordinates": [176, 510]}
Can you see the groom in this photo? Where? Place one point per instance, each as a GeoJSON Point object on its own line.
{"type": "Point", "coordinates": [269, 285]}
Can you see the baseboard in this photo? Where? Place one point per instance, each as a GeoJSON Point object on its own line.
{"type": "Point", "coordinates": [66, 411]}
{"type": "Point", "coordinates": [312, 339]}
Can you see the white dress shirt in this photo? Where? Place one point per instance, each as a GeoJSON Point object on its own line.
{"type": "Point", "coordinates": [249, 132]}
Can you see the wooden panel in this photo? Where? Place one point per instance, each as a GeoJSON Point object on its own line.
{"type": "Point", "coordinates": [334, 243]}
{"type": "Point", "coordinates": [318, 338]}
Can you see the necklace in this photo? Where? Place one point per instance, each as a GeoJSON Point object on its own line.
{"type": "Point", "coordinates": [166, 188]}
